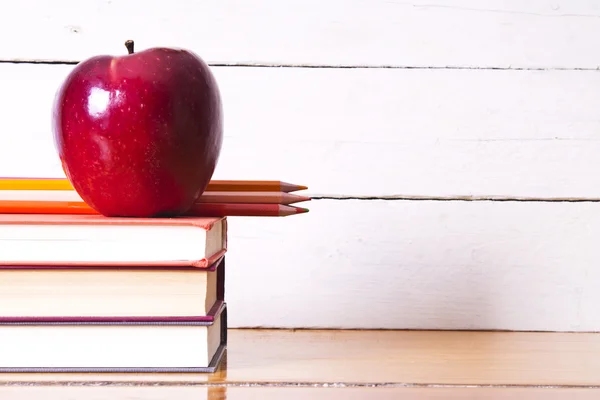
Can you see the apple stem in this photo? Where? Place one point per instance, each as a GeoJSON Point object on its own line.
{"type": "Point", "coordinates": [129, 45]}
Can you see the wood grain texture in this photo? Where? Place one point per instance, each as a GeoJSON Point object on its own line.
{"type": "Point", "coordinates": [387, 358]}
{"type": "Point", "coordinates": [287, 392]}
{"type": "Point", "coordinates": [448, 33]}
{"type": "Point", "coordinates": [420, 132]}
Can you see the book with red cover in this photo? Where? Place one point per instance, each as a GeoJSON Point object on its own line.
{"type": "Point", "coordinates": [91, 240]}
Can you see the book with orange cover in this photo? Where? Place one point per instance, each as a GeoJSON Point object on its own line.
{"type": "Point", "coordinates": [95, 240]}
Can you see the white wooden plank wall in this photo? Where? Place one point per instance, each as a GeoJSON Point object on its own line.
{"type": "Point", "coordinates": [442, 139]}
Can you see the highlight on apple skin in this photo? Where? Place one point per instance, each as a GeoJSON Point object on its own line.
{"type": "Point", "coordinates": [139, 134]}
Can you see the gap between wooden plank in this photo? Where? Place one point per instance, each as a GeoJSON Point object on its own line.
{"type": "Point", "coordinates": [457, 198]}
{"type": "Point", "coordinates": [290, 384]}
{"type": "Point", "coordinates": [337, 66]}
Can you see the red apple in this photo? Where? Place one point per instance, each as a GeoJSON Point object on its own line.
{"type": "Point", "coordinates": [139, 135]}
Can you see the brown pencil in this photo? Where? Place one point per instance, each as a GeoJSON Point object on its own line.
{"type": "Point", "coordinates": [197, 210]}
{"type": "Point", "coordinates": [213, 186]}
{"type": "Point", "coordinates": [253, 186]}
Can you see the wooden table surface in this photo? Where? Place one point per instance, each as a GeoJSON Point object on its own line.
{"type": "Point", "coordinates": [357, 364]}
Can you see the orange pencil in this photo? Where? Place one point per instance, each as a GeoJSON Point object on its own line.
{"type": "Point", "coordinates": [213, 186]}
{"type": "Point", "coordinates": [45, 207]}
{"type": "Point", "coordinates": [198, 210]}
{"type": "Point", "coordinates": [35, 184]}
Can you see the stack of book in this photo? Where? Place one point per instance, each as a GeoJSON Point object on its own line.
{"type": "Point", "coordinates": [80, 292]}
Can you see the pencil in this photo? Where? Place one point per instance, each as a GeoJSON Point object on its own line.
{"type": "Point", "coordinates": [206, 197]}
{"type": "Point", "coordinates": [244, 210]}
{"type": "Point", "coordinates": [213, 186]}
{"type": "Point", "coordinates": [253, 186]}
{"type": "Point", "coordinates": [35, 184]}
{"type": "Point", "coordinates": [251, 198]}
{"type": "Point", "coordinates": [197, 210]}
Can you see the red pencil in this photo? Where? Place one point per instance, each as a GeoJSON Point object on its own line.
{"type": "Point", "coordinates": [244, 210]}
{"type": "Point", "coordinates": [198, 209]}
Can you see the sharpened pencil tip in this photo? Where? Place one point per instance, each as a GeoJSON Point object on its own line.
{"type": "Point", "coordinates": [291, 187]}
{"type": "Point", "coordinates": [301, 210]}
{"type": "Point", "coordinates": [300, 199]}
